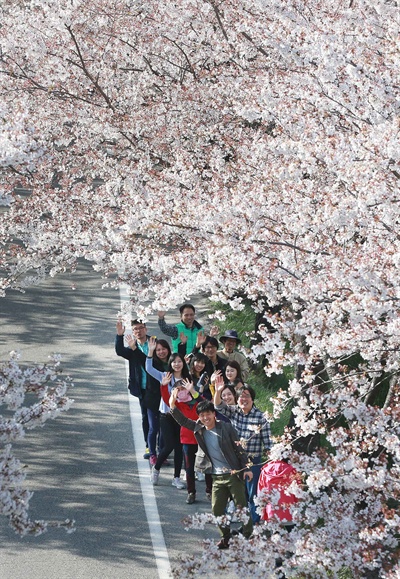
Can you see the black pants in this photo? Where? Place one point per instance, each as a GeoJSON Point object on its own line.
{"type": "Point", "coordinates": [171, 432]}
{"type": "Point", "coordinates": [189, 452]}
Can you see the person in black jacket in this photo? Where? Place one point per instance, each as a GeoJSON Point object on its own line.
{"type": "Point", "coordinates": [141, 384]}
{"type": "Point", "coordinates": [209, 347]}
{"type": "Point", "coordinates": [221, 455]}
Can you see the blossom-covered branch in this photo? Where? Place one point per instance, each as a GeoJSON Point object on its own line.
{"type": "Point", "coordinates": [50, 389]}
{"type": "Point", "coordinates": [247, 151]}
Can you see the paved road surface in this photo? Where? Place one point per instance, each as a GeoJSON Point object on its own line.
{"type": "Point", "coordinates": [85, 465]}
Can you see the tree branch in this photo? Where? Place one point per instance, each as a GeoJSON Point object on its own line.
{"type": "Point", "coordinates": [218, 15]}
{"type": "Point", "coordinates": [85, 70]}
{"type": "Point", "coordinates": [259, 48]}
{"type": "Point", "coordinates": [191, 69]}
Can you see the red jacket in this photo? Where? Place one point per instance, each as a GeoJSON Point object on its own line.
{"type": "Point", "coordinates": [187, 436]}
{"type": "Point", "coordinates": [278, 475]}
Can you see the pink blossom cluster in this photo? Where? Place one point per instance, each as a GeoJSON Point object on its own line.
{"type": "Point", "coordinates": [247, 151]}
{"type": "Point", "coordinates": [18, 385]}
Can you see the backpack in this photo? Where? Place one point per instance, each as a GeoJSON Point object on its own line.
{"type": "Point", "coordinates": [278, 475]}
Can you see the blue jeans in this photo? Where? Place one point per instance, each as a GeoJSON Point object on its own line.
{"type": "Point", "coordinates": [154, 427]}
{"type": "Point", "coordinates": [251, 487]}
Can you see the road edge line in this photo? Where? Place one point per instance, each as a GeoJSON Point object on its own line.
{"type": "Point", "coordinates": [149, 498]}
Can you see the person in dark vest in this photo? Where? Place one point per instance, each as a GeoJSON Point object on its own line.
{"type": "Point", "coordinates": [183, 332]}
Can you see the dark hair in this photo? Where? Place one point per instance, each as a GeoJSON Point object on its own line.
{"type": "Point", "coordinates": [231, 390]}
{"type": "Point", "coordinates": [187, 306]}
{"type": "Point", "coordinates": [185, 369]}
{"type": "Point", "coordinates": [178, 383]}
{"type": "Point", "coordinates": [137, 322]}
{"type": "Point", "coordinates": [198, 357]}
{"type": "Point", "coordinates": [205, 406]}
{"type": "Point", "coordinates": [236, 366]}
{"type": "Point", "coordinates": [248, 389]}
{"type": "Point", "coordinates": [164, 344]}
{"type": "Point", "coordinates": [210, 340]}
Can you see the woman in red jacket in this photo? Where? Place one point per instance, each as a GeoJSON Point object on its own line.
{"type": "Point", "coordinates": [186, 400]}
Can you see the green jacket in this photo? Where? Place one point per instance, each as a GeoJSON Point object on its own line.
{"type": "Point", "coordinates": [191, 334]}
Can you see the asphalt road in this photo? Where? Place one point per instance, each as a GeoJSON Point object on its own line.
{"type": "Point", "coordinates": [87, 464]}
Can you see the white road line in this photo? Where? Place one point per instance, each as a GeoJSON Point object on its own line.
{"type": "Point", "coordinates": [149, 499]}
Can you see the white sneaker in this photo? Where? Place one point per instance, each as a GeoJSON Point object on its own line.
{"type": "Point", "coordinates": [154, 475]}
{"type": "Point", "coordinates": [200, 476]}
{"type": "Point", "coordinates": [178, 483]}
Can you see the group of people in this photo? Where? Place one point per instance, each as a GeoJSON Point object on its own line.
{"type": "Point", "coordinates": [195, 401]}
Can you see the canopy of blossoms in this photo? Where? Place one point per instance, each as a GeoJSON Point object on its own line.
{"type": "Point", "coordinates": [247, 150]}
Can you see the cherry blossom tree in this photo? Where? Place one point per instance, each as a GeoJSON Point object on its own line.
{"type": "Point", "coordinates": [249, 151]}
{"type": "Point", "coordinates": [29, 397]}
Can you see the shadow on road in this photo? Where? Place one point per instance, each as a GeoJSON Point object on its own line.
{"type": "Point", "coordinates": [82, 465]}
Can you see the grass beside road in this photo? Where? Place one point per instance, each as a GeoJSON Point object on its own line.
{"type": "Point", "coordinates": [265, 386]}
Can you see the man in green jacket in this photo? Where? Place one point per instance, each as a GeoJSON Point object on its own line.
{"type": "Point", "coordinates": [185, 331]}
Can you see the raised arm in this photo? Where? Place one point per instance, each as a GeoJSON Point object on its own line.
{"type": "Point", "coordinates": [219, 385]}
{"type": "Point", "coordinates": [219, 404]}
{"type": "Point", "coordinates": [149, 362]}
{"type": "Point", "coordinates": [120, 348]}
{"type": "Point", "coordinates": [167, 329]}
{"type": "Point", "coordinates": [166, 379]}
{"type": "Point", "coordinates": [200, 339]}
{"type": "Point", "coordinates": [180, 418]}
{"type": "Point", "coordinates": [214, 331]}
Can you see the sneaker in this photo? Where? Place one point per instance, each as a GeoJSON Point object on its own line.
{"type": "Point", "coordinates": [178, 483]}
{"type": "Point", "coordinates": [223, 544]}
{"type": "Point", "coordinates": [200, 476]}
{"type": "Point", "coordinates": [208, 495]}
{"type": "Point", "coordinates": [146, 453]}
{"type": "Point", "coordinates": [154, 475]}
{"type": "Point", "coordinates": [191, 498]}
{"type": "Point", "coordinates": [152, 460]}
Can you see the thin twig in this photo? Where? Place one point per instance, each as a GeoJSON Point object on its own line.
{"type": "Point", "coordinates": [85, 69]}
